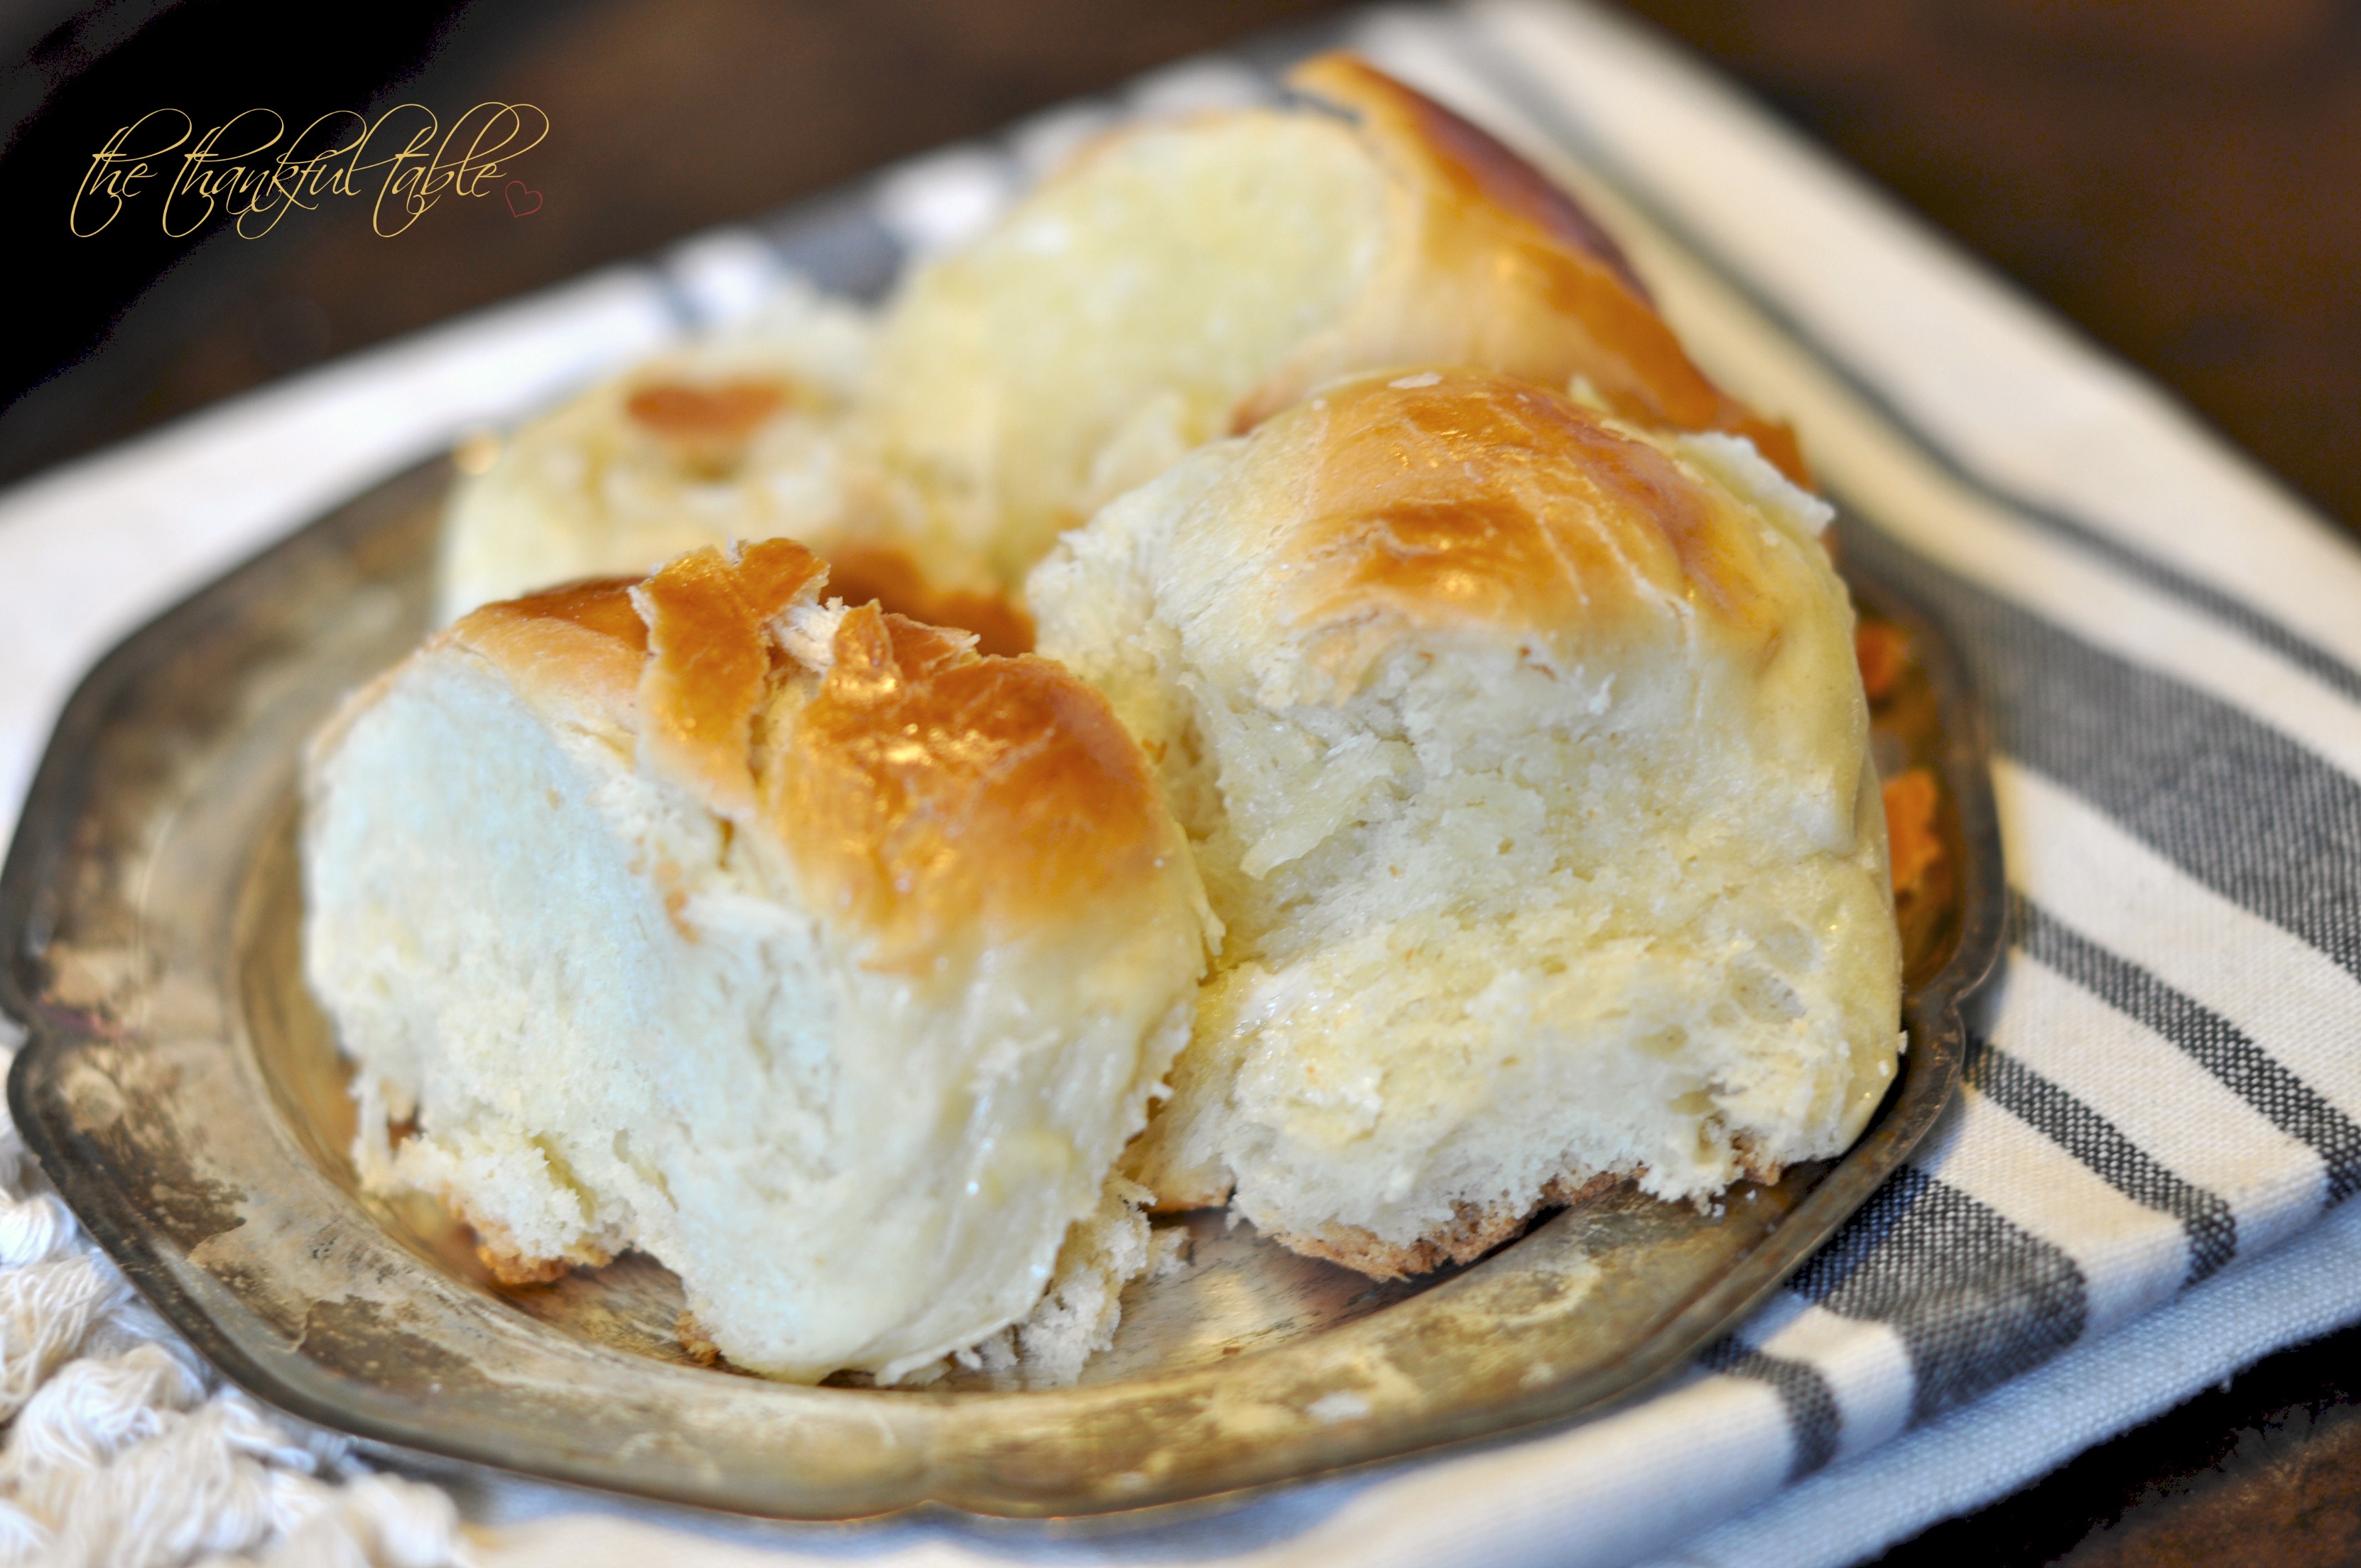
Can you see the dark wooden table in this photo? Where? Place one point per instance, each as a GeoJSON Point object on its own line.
{"type": "Point", "coordinates": [2178, 177]}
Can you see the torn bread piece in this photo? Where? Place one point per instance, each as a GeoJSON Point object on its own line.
{"type": "Point", "coordinates": [801, 947]}
{"type": "Point", "coordinates": [1078, 1315]}
{"type": "Point", "coordinates": [1179, 281]}
{"type": "Point", "coordinates": [1524, 755]}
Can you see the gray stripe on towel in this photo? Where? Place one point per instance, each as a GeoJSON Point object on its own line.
{"type": "Point", "coordinates": [1975, 1297]}
{"type": "Point", "coordinates": [2216, 1044]}
{"type": "Point", "coordinates": [1533, 96]}
{"type": "Point", "coordinates": [2256, 816]}
{"type": "Point", "coordinates": [2098, 1144]}
{"type": "Point", "coordinates": [1813, 1419]}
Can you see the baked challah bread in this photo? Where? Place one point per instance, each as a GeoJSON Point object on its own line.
{"type": "Point", "coordinates": [801, 947]}
{"type": "Point", "coordinates": [1178, 281]}
{"type": "Point", "coordinates": [1524, 756]}
{"type": "Point", "coordinates": [1181, 280]}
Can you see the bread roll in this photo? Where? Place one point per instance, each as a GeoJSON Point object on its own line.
{"type": "Point", "coordinates": [1179, 281]}
{"type": "Point", "coordinates": [739, 437]}
{"type": "Point", "coordinates": [801, 947]}
{"type": "Point", "coordinates": [1176, 282]}
{"type": "Point", "coordinates": [1524, 757]}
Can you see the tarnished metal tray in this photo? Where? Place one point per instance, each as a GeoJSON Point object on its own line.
{"type": "Point", "coordinates": [185, 1096]}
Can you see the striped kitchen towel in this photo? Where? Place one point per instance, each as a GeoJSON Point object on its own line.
{"type": "Point", "coordinates": [2166, 1077]}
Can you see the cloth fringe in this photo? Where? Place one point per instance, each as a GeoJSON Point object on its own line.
{"type": "Point", "coordinates": [124, 1450]}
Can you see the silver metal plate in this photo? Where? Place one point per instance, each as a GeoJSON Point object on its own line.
{"type": "Point", "coordinates": [186, 1097]}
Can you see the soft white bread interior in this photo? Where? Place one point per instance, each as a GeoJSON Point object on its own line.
{"type": "Point", "coordinates": [1524, 756]}
{"type": "Point", "coordinates": [801, 947]}
{"type": "Point", "coordinates": [1182, 281]}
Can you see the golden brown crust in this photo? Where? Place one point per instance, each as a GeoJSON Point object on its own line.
{"type": "Point", "coordinates": [1457, 497]}
{"type": "Point", "coordinates": [1473, 1231]}
{"type": "Point", "coordinates": [1513, 275]}
{"type": "Point", "coordinates": [706, 425]}
{"type": "Point", "coordinates": [1480, 167]}
{"type": "Point", "coordinates": [498, 1252]}
{"type": "Point", "coordinates": [923, 788]}
{"type": "Point", "coordinates": [889, 578]}
{"type": "Point", "coordinates": [930, 791]}
{"type": "Point", "coordinates": [686, 410]}
{"type": "Point", "coordinates": [582, 644]}
{"type": "Point", "coordinates": [709, 661]}
{"type": "Point", "coordinates": [857, 574]}
{"type": "Point", "coordinates": [599, 605]}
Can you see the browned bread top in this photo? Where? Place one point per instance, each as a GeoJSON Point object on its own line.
{"type": "Point", "coordinates": [1454, 498]}
{"type": "Point", "coordinates": [1511, 275]}
{"type": "Point", "coordinates": [936, 792]}
{"type": "Point", "coordinates": [925, 791]}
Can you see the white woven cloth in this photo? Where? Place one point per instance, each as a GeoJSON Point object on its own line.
{"type": "Point", "coordinates": [123, 1450]}
{"type": "Point", "coordinates": [2137, 1193]}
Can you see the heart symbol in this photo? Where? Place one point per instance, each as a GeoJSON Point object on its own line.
{"type": "Point", "coordinates": [514, 192]}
